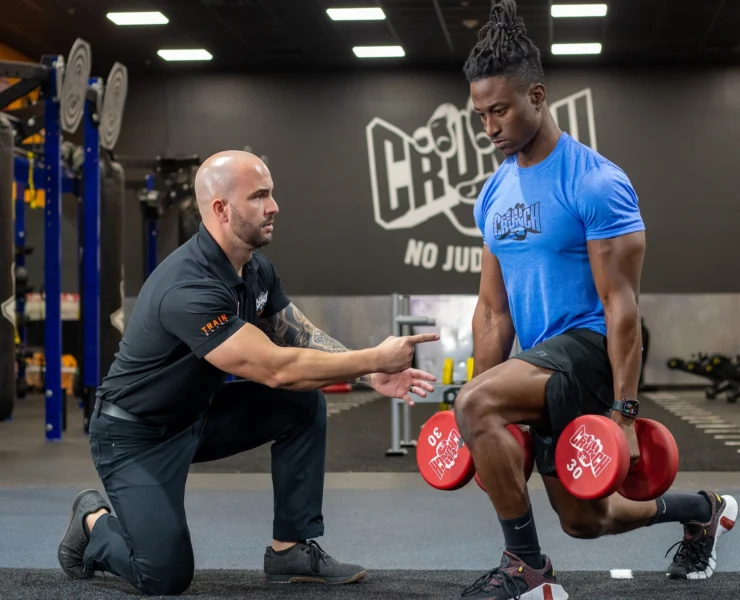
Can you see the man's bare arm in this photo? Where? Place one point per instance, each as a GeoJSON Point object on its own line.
{"type": "Point", "coordinates": [493, 327]}
{"type": "Point", "coordinates": [248, 353]}
{"type": "Point", "coordinates": [291, 328]}
{"type": "Point", "coordinates": [617, 268]}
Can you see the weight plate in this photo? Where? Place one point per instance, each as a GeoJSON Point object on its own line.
{"type": "Point", "coordinates": [74, 88]}
{"type": "Point", "coordinates": [116, 88]}
{"type": "Point", "coordinates": [444, 461]}
{"type": "Point", "coordinates": [654, 473]}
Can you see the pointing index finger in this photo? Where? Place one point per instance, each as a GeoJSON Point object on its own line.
{"type": "Point", "coordinates": [423, 337]}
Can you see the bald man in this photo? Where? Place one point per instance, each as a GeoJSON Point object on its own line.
{"type": "Point", "coordinates": [216, 306]}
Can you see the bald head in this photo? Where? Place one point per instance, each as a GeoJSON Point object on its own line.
{"type": "Point", "coordinates": [234, 194]}
{"type": "Point", "coordinates": [226, 176]}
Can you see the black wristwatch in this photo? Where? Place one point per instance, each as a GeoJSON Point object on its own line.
{"type": "Point", "coordinates": [627, 407]}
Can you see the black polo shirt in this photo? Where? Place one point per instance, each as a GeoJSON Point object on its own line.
{"type": "Point", "coordinates": [191, 303]}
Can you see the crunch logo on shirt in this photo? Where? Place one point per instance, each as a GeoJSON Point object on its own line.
{"type": "Point", "coordinates": [212, 326]}
{"type": "Point", "coordinates": [517, 222]}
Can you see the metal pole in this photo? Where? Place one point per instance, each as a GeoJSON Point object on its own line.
{"type": "Point", "coordinates": [91, 258]}
{"type": "Point", "coordinates": [80, 385]}
{"type": "Point", "coordinates": [151, 234]}
{"type": "Point", "coordinates": [395, 449]}
{"type": "Point", "coordinates": [20, 261]}
{"type": "Point", "coordinates": [53, 257]}
{"type": "Point", "coordinates": [407, 442]}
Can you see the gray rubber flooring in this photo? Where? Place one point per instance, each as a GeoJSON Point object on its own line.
{"type": "Point", "coordinates": [388, 529]}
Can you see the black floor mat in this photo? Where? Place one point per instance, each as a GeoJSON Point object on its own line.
{"type": "Point", "coordinates": [17, 584]}
{"type": "Point", "coordinates": [359, 437]}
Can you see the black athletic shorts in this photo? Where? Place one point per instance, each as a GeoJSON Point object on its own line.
{"type": "Point", "coordinates": [582, 383]}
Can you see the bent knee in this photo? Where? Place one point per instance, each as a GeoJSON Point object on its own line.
{"type": "Point", "coordinates": [316, 403]}
{"type": "Point", "coordinates": [582, 528]}
{"type": "Point", "coordinates": [306, 409]}
{"type": "Point", "coordinates": [473, 405]}
{"type": "Point", "coordinates": [169, 576]}
{"type": "Point", "coordinates": [167, 584]}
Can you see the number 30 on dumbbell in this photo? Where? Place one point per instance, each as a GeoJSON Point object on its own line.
{"type": "Point", "coordinates": [592, 459]}
{"type": "Point", "coordinates": [445, 462]}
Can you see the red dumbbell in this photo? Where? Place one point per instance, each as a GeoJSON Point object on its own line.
{"type": "Point", "coordinates": [592, 459]}
{"type": "Point", "coordinates": [444, 461]}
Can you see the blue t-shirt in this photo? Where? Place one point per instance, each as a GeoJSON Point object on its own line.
{"type": "Point", "coordinates": [537, 220]}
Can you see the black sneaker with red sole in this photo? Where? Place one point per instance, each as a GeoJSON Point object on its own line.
{"type": "Point", "coordinates": [696, 557]}
{"type": "Point", "coordinates": [516, 580]}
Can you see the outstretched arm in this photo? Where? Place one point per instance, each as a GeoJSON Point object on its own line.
{"type": "Point", "coordinates": [290, 327]}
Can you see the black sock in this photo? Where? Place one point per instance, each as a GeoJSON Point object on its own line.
{"type": "Point", "coordinates": [521, 539]}
{"type": "Point", "coordinates": [683, 508]}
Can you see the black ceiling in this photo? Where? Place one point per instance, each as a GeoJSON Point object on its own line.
{"type": "Point", "coordinates": [298, 35]}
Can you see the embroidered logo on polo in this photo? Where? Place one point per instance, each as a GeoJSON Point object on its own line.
{"type": "Point", "coordinates": [517, 222]}
{"type": "Point", "coordinates": [214, 325]}
{"type": "Point", "coordinates": [261, 301]}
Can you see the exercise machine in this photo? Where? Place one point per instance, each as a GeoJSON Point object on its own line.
{"type": "Point", "coordinates": [101, 232]}
{"type": "Point", "coordinates": [168, 184]}
{"type": "Point", "coordinates": [59, 85]}
{"type": "Point", "coordinates": [67, 95]}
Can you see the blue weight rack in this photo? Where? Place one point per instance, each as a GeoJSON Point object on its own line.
{"type": "Point", "coordinates": [90, 284]}
{"type": "Point", "coordinates": [53, 258]}
{"type": "Point", "coordinates": [48, 175]}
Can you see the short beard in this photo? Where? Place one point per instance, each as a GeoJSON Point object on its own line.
{"type": "Point", "coordinates": [249, 234]}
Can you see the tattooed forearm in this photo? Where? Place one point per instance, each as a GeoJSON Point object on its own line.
{"type": "Point", "coordinates": [321, 341]}
{"type": "Point", "coordinates": [290, 327]}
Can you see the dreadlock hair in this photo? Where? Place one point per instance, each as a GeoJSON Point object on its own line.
{"type": "Point", "coordinates": [503, 48]}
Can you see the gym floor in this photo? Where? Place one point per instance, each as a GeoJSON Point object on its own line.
{"type": "Point", "coordinates": [416, 542]}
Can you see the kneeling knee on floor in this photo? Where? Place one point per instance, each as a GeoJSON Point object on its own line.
{"type": "Point", "coordinates": [168, 576]}
{"type": "Point", "coordinates": [171, 583]}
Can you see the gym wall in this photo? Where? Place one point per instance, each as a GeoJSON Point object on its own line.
{"type": "Point", "coordinates": [330, 138]}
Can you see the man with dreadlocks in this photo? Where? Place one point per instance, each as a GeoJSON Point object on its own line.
{"type": "Point", "coordinates": [561, 269]}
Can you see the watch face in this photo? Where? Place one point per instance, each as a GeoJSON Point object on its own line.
{"type": "Point", "coordinates": [630, 408]}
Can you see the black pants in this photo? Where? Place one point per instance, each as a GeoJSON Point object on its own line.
{"type": "Point", "coordinates": [581, 384]}
{"type": "Point", "coordinates": [144, 469]}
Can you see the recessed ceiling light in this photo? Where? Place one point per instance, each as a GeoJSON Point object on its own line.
{"type": "Point", "coordinates": [192, 54]}
{"type": "Point", "coordinates": [578, 10]}
{"type": "Point", "coordinates": [576, 48]}
{"type": "Point", "coordinates": [355, 14]}
{"type": "Point", "coordinates": [138, 18]}
{"type": "Point", "coordinates": [378, 51]}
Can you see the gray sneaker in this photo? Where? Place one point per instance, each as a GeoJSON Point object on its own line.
{"type": "Point", "coordinates": [307, 562]}
{"type": "Point", "coordinates": [72, 547]}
